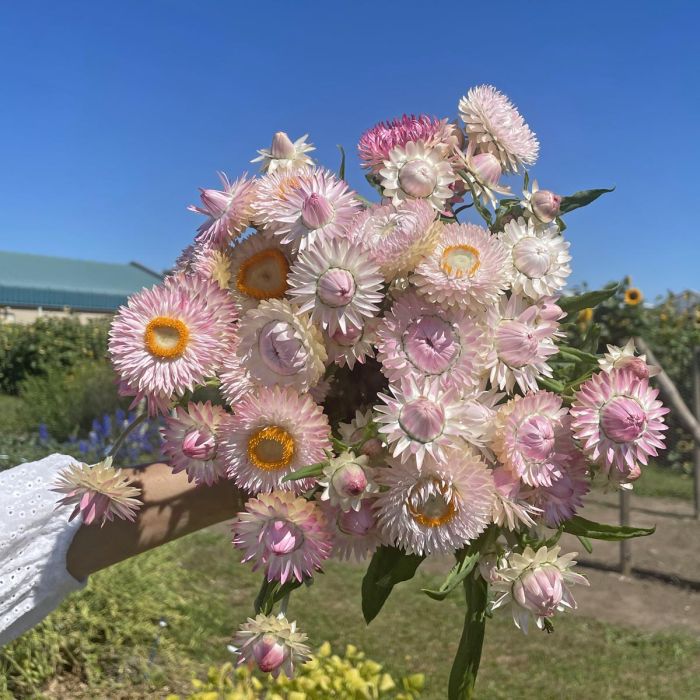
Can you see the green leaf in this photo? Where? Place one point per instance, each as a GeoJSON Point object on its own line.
{"type": "Point", "coordinates": [272, 592]}
{"type": "Point", "coordinates": [466, 663]}
{"type": "Point", "coordinates": [580, 199]}
{"type": "Point", "coordinates": [388, 567]}
{"type": "Point", "coordinates": [552, 384]}
{"type": "Point", "coordinates": [311, 470]}
{"type": "Point", "coordinates": [341, 169]}
{"type": "Point", "coordinates": [370, 179]}
{"type": "Point", "coordinates": [586, 543]}
{"type": "Point", "coordinates": [457, 574]}
{"type": "Point", "coordinates": [574, 304]}
{"type": "Point", "coordinates": [580, 527]}
{"type": "Point", "coordinates": [577, 354]}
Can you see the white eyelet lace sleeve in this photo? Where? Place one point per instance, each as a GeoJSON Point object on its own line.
{"type": "Point", "coordinates": [34, 541]}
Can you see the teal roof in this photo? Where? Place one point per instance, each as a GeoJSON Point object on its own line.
{"type": "Point", "coordinates": [40, 280]}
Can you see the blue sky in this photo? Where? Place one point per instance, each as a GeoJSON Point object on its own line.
{"type": "Point", "coordinates": [113, 113]}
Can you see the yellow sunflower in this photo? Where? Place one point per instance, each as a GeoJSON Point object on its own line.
{"type": "Point", "coordinates": [633, 296]}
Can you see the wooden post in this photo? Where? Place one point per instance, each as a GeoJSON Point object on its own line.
{"type": "Point", "coordinates": [696, 450]}
{"type": "Point", "coordinates": [625, 548]}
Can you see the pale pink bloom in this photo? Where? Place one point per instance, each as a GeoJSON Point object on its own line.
{"type": "Point", "coordinates": [361, 432]}
{"type": "Point", "coordinates": [618, 419]}
{"type": "Point", "coordinates": [286, 535]}
{"type": "Point", "coordinates": [626, 358]}
{"type": "Point", "coordinates": [347, 480]}
{"type": "Point", "coordinates": [355, 533]}
{"type": "Point", "coordinates": [396, 238]}
{"type": "Point", "coordinates": [469, 267]}
{"type": "Point", "coordinates": [272, 643]}
{"type": "Point", "coordinates": [337, 283]}
{"type": "Point", "coordinates": [482, 172]}
{"type": "Point", "coordinates": [523, 341]}
{"type": "Point", "coordinates": [510, 509]}
{"type": "Point", "coordinates": [285, 154]}
{"type": "Point", "coordinates": [540, 258]}
{"type": "Point", "coordinates": [98, 492]}
{"type": "Point", "coordinates": [235, 382]}
{"type": "Point", "coordinates": [352, 345]}
{"type": "Point", "coordinates": [191, 442]}
{"type": "Point", "coordinates": [228, 210]}
{"type": "Point", "coordinates": [496, 126]}
{"type": "Point", "coordinates": [170, 338]}
{"type": "Point", "coordinates": [272, 433]}
{"type": "Point", "coordinates": [419, 340]}
{"type": "Point", "coordinates": [376, 143]}
{"type": "Point", "coordinates": [542, 204]}
{"type": "Point", "coordinates": [438, 507]}
{"type": "Point", "coordinates": [280, 345]}
{"type": "Point", "coordinates": [536, 584]}
{"type": "Point", "coordinates": [420, 419]}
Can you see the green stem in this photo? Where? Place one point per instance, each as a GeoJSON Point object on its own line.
{"type": "Point", "coordinates": [466, 663]}
{"type": "Point", "coordinates": [120, 440]}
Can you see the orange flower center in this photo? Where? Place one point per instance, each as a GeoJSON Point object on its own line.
{"type": "Point", "coordinates": [166, 338]}
{"type": "Point", "coordinates": [264, 275]}
{"type": "Point", "coordinates": [271, 448]}
{"type": "Point", "coordinates": [460, 260]}
{"type": "Point", "coordinates": [431, 510]}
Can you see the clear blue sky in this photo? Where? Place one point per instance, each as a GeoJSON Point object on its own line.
{"type": "Point", "coordinates": [113, 113]}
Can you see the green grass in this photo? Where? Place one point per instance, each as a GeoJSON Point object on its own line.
{"type": "Point", "coordinates": [664, 482]}
{"type": "Point", "coordinates": [104, 635]}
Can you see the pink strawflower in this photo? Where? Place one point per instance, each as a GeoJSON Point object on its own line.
{"type": "Point", "coordinates": [626, 357]}
{"type": "Point", "coordinates": [235, 382]}
{"type": "Point", "coordinates": [510, 509]}
{"type": "Point", "coordinates": [285, 534]}
{"type": "Point", "coordinates": [396, 238]}
{"type": "Point", "coordinates": [420, 419]}
{"type": "Point", "coordinates": [98, 492]}
{"type": "Point", "coordinates": [272, 643]}
{"type": "Point", "coordinates": [496, 127]}
{"type": "Point", "coordinates": [347, 480]}
{"type": "Point", "coordinates": [272, 433]}
{"type": "Point", "coordinates": [376, 143]}
{"type": "Point", "coordinates": [469, 267]}
{"type": "Point", "coordinates": [618, 419]}
{"type": "Point", "coordinates": [355, 533]}
{"type": "Point", "coordinates": [191, 442]}
{"type": "Point", "coordinates": [157, 403]}
{"type": "Point", "coordinates": [438, 507]}
{"type": "Point", "coordinates": [337, 283]}
{"type": "Point", "coordinates": [170, 338]}
{"type": "Point", "coordinates": [285, 154]}
{"type": "Point", "coordinates": [228, 210]}
{"type": "Point", "coordinates": [352, 345]}
{"type": "Point", "coordinates": [419, 340]}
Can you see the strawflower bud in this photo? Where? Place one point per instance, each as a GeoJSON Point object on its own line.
{"type": "Point", "coordinates": [282, 146]}
{"type": "Point", "coordinates": [545, 205]}
{"type": "Point", "coordinates": [316, 211]}
{"type": "Point", "coordinates": [418, 178]}
{"type": "Point", "coordinates": [486, 168]}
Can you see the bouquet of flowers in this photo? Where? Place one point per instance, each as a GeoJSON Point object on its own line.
{"type": "Point", "coordinates": [395, 381]}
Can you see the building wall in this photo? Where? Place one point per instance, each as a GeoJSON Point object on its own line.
{"type": "Point", "coordinates": [25, 316]}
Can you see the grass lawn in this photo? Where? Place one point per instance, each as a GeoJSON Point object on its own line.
{"type": "Point", "coordinates": [664, 483]}
{"type": "Point", "coordinates": [105, 636]}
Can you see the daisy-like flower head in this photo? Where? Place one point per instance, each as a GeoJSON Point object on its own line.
{"type": "Point", "coordinates": [421, 419]}
{"type": "Point", "coordinates": [353, 344]}
{"type": "Point", "coordinates": [235, 382]}
{"type": "Point", "coordinates": [337, 283]}
{"type": "Point", "coordinates": [273, 432]}
{"type": "Point", "coordinates": [305, 205]}
{"type": "Point", "coordinates": [522, 343]}
{"type": "Point", "coordinates": [98, 492]}
{"type": "Point", "coordinates": [417, 171]}
{"type": "Point", "coordinates": [420, 340]}
{"type": "Point", "coordinates": [280, 345]}
{"type": "Point", "coordinates": [469, 267]}
{"type": "Point", "coordinates": [285, 534]}
{"type": "Point", "coordinates": [496, 127]}
{"type": "Point", "coordinates": [536, 584]}
{"type": "Point", "coordinates": [531, 437]}
{"type": "Point", "coordinates": [355, 533]}
{"type": "Point", "coordinates": [396, 238]}
{"type": "Point", "coordinates": [191, 443]}
{"type": "Point", "coordinates": [618, 419]}
{"type": "Point", "coordinates": [272, 643]}
{"type": "Point", "coordinates": [284, 154]}
{"type": "Point", "coordinates": [626, 358]}
{"type": "Point", "coordinates": [258, 269]}
{"type": "Point", "coordinates": [228, 210]}
{"type": "Point", "coordinates": [540, 258]}
{"type": "Point", "coordinates": [437, 508]}
{"type": "Point", "coordinates": [347, 480]}
{"type": "Point", "coordinates": [213, 263]}
{"type": "Point", "coordinates": [376, 144]}
{"type": "Point", "coordinates": [171, 337]}
{"type": "Point", "coordinates": [510, 509]}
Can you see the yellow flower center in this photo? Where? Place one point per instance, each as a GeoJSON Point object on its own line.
{"type": "Point", "coordinates": [166, 338]}
{"type": "Point", "coordinates": [286, 185]}
{"type": "Point", "coordinates": [264, 275]}
{"type": "Point", "coordinates": [633, 296]}
{"type": "Point", "coordinates": [432, 510]}
{"type": "Point", "coordinates": [460, 260]}
{"type": "Point", "coordinates": [271, 448]}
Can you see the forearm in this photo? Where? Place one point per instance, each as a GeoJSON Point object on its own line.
{"type": "Point", "coordinates": [172, 507]}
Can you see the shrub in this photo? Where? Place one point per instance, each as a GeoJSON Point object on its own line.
{"type": "Point", "coordinates": [66, 400]}
{"type": "Point", "coordinates": [48, 343]}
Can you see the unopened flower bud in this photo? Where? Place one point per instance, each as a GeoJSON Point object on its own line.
{"type": "Point", "coordinates": [336, 287]}
{"type": "Point", "coordinates": [316, 211]}
{"type": "Point", "coordinates": [486, 168]}
{"type": "Point", "coordinates": [357, 522]}
{"type": "Point", "coordinates": [281, 537]}
{"type": "Point", "coordinates": [349, 481]}
{"type": "Point", "coordinates": [199, 444]}
{"type": "Point", "coordinates": [418, 178]}
{"type": "Point", "coordinates": [268, 653]}
{"type": "Point", "coordinates": [545, 205]}
{"type": "Point", "coordinates": [215, 201]}
{"type": "Point", "coordinates": [282, 146]}
{"type": "Point", "coordinates": [539, 590]}
{"type": "Point", "coordinates": [372, 447]}
{"type": "Point", "coordinates": [639, 368]}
